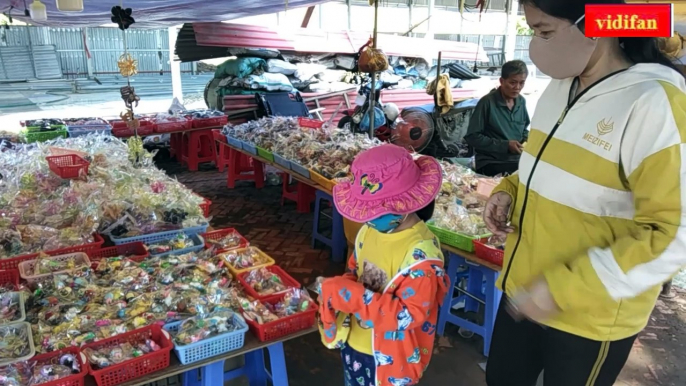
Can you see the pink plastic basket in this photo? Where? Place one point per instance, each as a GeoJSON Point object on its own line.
{"type": "Point", "coordinates": [26, 267]}
{"type": "Point", "coordinates": [286, 279]}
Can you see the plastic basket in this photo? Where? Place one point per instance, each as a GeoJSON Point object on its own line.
{"type": "Point", "coordinates": [120, 129]}
{"type": "Point", "coordinates": [145, 364]}
{"type": "Point", "coordinates": [13, 262]}
{"type": "Point", "coordinates": [72, 380]}
{"type": "Point", "coordinates": [26, 267]}
{"type": "Point", "coordinates": [32, 348]}
{"type": "Point", "coordinates": [488, 253]}
{"type": "Point", "coordinates": [322, 181]}
{"type": "Point", "coordinates": [286, 279]}
{"type": "Point", "coordinates": [18, 298]}
{"type": "Point", "coordinates": [221, 233]}
{"type": "Point", "coordinates": [202, 123]}
{"type": "Point", "coordinates": [73, 133]}
{"type": "Point", "coordinates": [310, 123]}
{"type": "Point", "coordinates": [68, 165]}
{"type": "Point", "coordinates": [218, 136]}
{"type": "Point", "coordinates": [235, 271]}
{"type": "Point", "coordinates": [159, 236]}
{"type": "Point", "coordinates": [42, 136]}
{"type": "Point", "coordinates": [205, 207]}
{"type": "Point", "coordinates": [303, 171]}
{"type": "Point", "coordinates": [266, 154]}
{"type": "Point", "coordinates": [284, 163]}
{"type": "Point", "coordinates": [168, 127]}
{"type": "Point", "coordinates": [54, 150]}
{"type": "Point", "coordinates": [209, 347]}
{"type": "Point", "coordinates": [234, 142]}
{"type": "Point", "coordinates": [249, 148]}
{"type": "Point", "coordinates": [133, 251]}
{"type": "Point", "coordinates": [9, 277]}
{"type": "Point", "coordinates": [284, 326]}
{"type": "Point", "coordinates": [198, 244]}
{"type": "Point", "coordinates": [456, 240]}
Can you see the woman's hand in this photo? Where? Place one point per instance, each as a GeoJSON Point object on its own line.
{"type": "Point", "coordinates": [535, 303]}
{"type": "Point", "coordinates": [497, 212]}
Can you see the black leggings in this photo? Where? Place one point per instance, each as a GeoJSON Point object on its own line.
{"type": "Point", "coordinates": [520, 350]}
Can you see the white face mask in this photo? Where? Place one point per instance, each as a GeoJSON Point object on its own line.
{"type": "Point", "coordinates": [565, 55]}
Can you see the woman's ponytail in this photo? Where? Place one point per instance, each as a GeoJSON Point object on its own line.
{"type": "Point", "coordinates": [645, 50]}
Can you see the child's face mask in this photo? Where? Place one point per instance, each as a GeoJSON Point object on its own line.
{"type": "Point", "coordinates": [386, 223]}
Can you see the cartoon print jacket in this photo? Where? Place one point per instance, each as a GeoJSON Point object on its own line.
{"type": "Point", "coordinates": [403, 316]}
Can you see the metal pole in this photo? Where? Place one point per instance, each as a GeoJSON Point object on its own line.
{"type": "Point", "coordinates": [350, 11]}
{"type": "Point", "coordinates": [177, 91]}
{"type": "Point", "coordinates": [372, 92]}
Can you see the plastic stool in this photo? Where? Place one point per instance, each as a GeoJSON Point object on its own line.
{"type": "Point", "coordinates": [302, 194]}
{"type": "Point", "coordinates": [199, 147]}
{"type": "Point", "coordinates": [222, 159]}
{"type": "Point", "coordinates": [337, 241]}
{"type": "Point", "coordinates": [490, 295]}
{"type": "Point", "coordinates": [239, 171]}
{"type": "Point", "coordinates": [175, 146]}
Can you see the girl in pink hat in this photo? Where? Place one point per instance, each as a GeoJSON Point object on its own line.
{"type": "Point", "coordinates": [395, 280]}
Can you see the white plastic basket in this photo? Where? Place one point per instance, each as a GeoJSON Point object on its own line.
{"type": "Point", "coordinates": [26, 267]}
{"type": "Point", "coordinates": [17, 297]}
{"type": "Point", "coordinates": [17, 327]}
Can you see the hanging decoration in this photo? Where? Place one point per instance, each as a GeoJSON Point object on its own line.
{"type": "Point", "coordinates": [38, 11]}
{"type": "Point", "coordinates": [128, 67]}
{"type": "Point", "coordinates": [69, 5]}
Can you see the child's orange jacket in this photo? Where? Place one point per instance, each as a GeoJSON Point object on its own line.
{"type": "Point", "coordinates": [403, 316]}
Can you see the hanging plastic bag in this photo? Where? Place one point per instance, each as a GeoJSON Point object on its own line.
{"type": "Point", "coordinates": [372, 59]}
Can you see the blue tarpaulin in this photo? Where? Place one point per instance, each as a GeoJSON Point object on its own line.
{"type": "Point", "coordinates": [154, 13]}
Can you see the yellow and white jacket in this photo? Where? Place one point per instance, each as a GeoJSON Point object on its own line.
{"type": "Point", "coordinates": [604, 216]}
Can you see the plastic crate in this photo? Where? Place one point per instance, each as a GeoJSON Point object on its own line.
{"type": "Point", "coordinates": [13, 262]}
{"type": "Point", "coordinates": [68, 165]}
{"type": "Point", "coordinates": [9, 277]}
{"type": "Point", "coordinates": [310, 123]}
{"type": "Point", "coordinates": [120, 129]}
{"type": "Point", "coordinates": [212, 346]}
{"type": "Point", "coordinates": [72, 380]}
{"type": "Point", "coordinates": [237, 143]}
{"type": "Point", "coordinates": [286, 279]}
{"type": "Point", "coordinates": [168, 127]}
{"type": "Point", "coordinates": [26, 267]}
{"type": "Point", "coordinates": [235, 271]}
{"type": "Point", "coordinates": [198, 244]}
{"type": "Point", "coordinates": [284, 326]}
{"type": "Point", "coordinates": [221, 233]}
{"type": "Point", "coordinates": [284, 163]}
{"type": "Point", "coordinates": [205, 207]}
{"type": "Point", "coordinates": [456, 240]}
{"type": "Point", "coordinates": [18, 298]}
{"type": "Point", "coordinates": [202, 123]}
{"type": "Point", "coordinates": [133, 251]}
{"type": "Point", "coordinates": [32, 348]}
{"type": "Point", "coordinates": [266, 154]}
{"type": "Point", "coordinates": [42, 136]}
{"type": "Point", "coordinates": [488, 253]}
{"type": "Point", "coordinates": [218, 136]}
{"type": "Point", "coordinates": [303, 171]}
{"type": "Point", "coordinates": [159, 236]}
{"type": "Point", "coordinates": [249, 148]}
{"type": "Point", "coordinates": [134, 368]}
{"type": "Point", "coordinates": [75, 132]}
{"type": "Point", "coordinates": [322, 181]}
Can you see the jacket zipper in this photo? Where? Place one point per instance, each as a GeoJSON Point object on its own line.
{"type": "Point", "coordinates": [538, 158]}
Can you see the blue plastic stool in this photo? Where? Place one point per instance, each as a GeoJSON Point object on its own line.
{"type": "Point", "coordinates": [490, 295]}
{"type": "Point", "coordinates": [254, 368]}
{"type": "Point", "coordinates": [337, 241]}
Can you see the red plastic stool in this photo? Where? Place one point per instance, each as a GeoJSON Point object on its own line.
{"type": "Point", "coordinates": [175, 145]}
{"type": "Point", "coordinates": [199, 147]}
{"type": "Point", "coordinates": [301, 193]}
{"type": "Point", "coordinates": [222, 156]}
{"type": "Point", "coordinates": [239, 171]}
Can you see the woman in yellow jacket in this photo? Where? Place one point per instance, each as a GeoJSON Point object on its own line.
{"type": "Point", "coordinates": [596, 217]}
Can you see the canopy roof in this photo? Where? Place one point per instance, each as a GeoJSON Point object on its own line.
{"type": "Point", "coordinates": [154, 13]}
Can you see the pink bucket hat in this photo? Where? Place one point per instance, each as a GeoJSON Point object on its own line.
{"type": "Point", "coordinates": [387, 180]}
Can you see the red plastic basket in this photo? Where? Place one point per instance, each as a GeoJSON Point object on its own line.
{"type": "Point", "coordinates": [9, 276]}
{"type": "Point", "coordinates": [68, 165]}
{"type": "Point", "coordinates": [218, 136]}
{"type": "Point", "coordinates": [284, 326]}
{"type": "Point", "coordinates": [149, 363]}
{"type": "Point", "coordinates": [205, 207]}
{"type": "Point", "coordinates": [201, 123]}
{"type": "Point", "coordinates": [221, 233]}
{"type": "Point", "coordinates": [310, 123]}
{"type": "Point", "coordinates": [13, 262]}
{"type": "Point", "coordinates": [119, 128]}
{"type": "Point", "coordinates": [488, 253]}
{"type": "Point", "coordinates": [168, 127]}
{"type": "Point", "coordinates": [72, 380]}
{"type": "Point", "coordinates": [133, 251]}
{"type": "Point", "coordinates": [287, 280]}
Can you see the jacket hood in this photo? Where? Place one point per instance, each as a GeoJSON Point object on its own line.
{"type": "Point", "coordinates": [638, 73]}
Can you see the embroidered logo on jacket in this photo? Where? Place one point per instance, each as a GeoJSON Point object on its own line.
{"type": "Point", "coordinates": [605, 127]}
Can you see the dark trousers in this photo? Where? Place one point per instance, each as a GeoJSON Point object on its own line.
{"type": "Point", "coordinates": [520, 350]}
{"type": "Point", "coordinates": [492, 170]}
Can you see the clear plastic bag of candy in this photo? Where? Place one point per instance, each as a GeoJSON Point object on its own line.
{"type": "Point", "coordinates": [198, 328]}
{"type": "Point", "coordinates": [244, 258]}
{"type": "Point", "coordinates": [265, 282]}
{"type": "Point", "coordinates": [14, 341]}
{"type": "Point", "coordinates": [9, 307]}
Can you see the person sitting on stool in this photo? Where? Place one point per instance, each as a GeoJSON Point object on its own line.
{"type": "Point", "coordinates": [499, 125]}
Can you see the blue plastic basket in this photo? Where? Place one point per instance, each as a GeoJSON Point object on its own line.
{"type": "Point", "coordinates": [234, 142]}
{"type": "Point", "coordinates": [209, 347]}
{"type": "Point", "coordinates": [160, 236]}
{"type": "Point", "coordinates": [303, 171]}
{"type": "Point", "coordinates": [286, 164]}
{"type": "Point", "coordinates": [198, 244]}
{"type": "Point", "coordinates": [249, 148]}
{"type": "Point", "coordinates": [78, 131]}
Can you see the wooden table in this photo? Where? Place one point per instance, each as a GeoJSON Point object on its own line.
{"type": "Point", "coordinates": [469, 256]}
{"type": "Point", "coordinates": [210, 372]}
